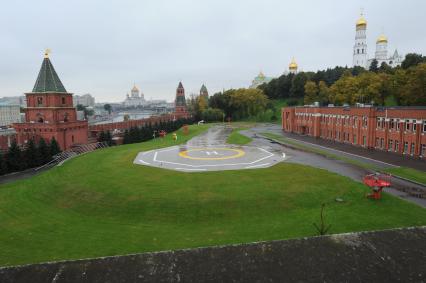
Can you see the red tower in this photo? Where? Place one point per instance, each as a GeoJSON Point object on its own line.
{"type": "Point", "coordinates": [50, 112]}
{"type": "Point", "coordinates": [180, 102]}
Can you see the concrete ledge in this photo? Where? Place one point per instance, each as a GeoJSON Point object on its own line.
{"type": "Point", "coordinates": [397, 255]}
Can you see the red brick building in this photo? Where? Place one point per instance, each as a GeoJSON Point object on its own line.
{"type": "Point", "coordinates": [395, 129]}
{"type": "Point", "coordinates": [50, 112]}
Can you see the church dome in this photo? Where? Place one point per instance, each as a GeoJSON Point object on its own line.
{"type": "Point", "coordinates": [293, 65]}
{"type": "Point", "coordinates": [261, 75]}
{"type": "Point", "coordinates": [362, 22]}
{"type": "Point", "coordinates": [382, 39]}
{"type": "Point", "coordinates": [135, 88]}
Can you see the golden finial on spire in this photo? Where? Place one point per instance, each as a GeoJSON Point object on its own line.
{"type": "Point", "coordinates": [47, 52]}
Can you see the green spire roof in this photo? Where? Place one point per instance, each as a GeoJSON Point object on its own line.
{"type": "Point", "coordinates": [48, 80]}
{"type": "Point", "coordinates": [203, 88]}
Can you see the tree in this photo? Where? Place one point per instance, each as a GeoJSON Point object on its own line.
{"type": "Point", "coordinates": [80, 107]}
{"type": "Point", "coordinates": [374, 66]}
{"type": "Point", "coordinates": [213, 115]}
{"type": "Point", "coordinates": [3, 165]}
{"type": "Point", "coordinates": [43, 152]}
{"type": "Point", "coordinates": [14, 158]}
{"type": "Point", "coordinates": [413, 91]}
{"type": "Point", "coordinates": [108, 108]}
{"type": "Point", "coordinates": [311, 92]}
{"type": "Point", "coordinates": [87, 112]}
{"type": "Point", "coordinates": [412, 59]}
{"type": "Point", "coordinates": [298, 85]}
{"type": "Point", "coordinates": [323, 92]}
{"type": "Point", "coordinates": [54, 147]}
{"type": "Point", "coordinates": [385, 68]}
{"type": "Point", "coordinates": [30, 154]}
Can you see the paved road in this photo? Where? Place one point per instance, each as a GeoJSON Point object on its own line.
{"type": "Point", "coordinates": [209, 152]}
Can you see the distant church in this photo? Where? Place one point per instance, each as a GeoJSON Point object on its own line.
{"type": "Point", "coordinates": [360, 55]}
{"type": "Point", "coordinates": [136, 98]}
{"type": "Point", "coordinates": [262, 79]}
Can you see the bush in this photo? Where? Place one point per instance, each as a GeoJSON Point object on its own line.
{"type": "Point", "coordinates": [212, 115]}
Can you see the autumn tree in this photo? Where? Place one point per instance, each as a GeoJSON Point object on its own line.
{"type": "Point", "coordinates": [311, 92]}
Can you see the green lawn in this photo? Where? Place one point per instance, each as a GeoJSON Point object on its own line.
{"type": "Point", "coordinates": [409, 173]}
{"type": "Point", "coordinates": [100, 204]}
{"type": "Point", "coordinates": [236, 138]}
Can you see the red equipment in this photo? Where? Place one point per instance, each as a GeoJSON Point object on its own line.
{"type": "Point", "coordinates": [377, 182]}
{"type": "Point", "coordinates": [162, 133]}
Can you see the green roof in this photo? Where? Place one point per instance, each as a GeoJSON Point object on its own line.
{"type": "Point", "coordinates": [48, 80]}
{"type": "Point", "coordinates": [203, 88]}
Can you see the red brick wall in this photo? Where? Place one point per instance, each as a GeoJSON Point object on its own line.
{"type": "Point", "coordinates": [348, 125]}
{"type": "Point", "coordinates": [94, 129]}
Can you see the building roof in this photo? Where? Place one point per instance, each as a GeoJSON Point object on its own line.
{"type": "Point", "coordinates": [382, 39]}
{"type": "Point", "coordinates": [180, 85]}
{"type": "Point", "coordinates": [378, 256]}
{"type": "Point", "coordinates": [48, 80]}
{"type": "Point", "coordinates": [203, 88]}
{"type": "Point", "coordinates": [361, 22]}
{"type": "Point", "coordinates": [293, 64]}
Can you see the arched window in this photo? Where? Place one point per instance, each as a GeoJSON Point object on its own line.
{"type": "Point", "coordinates": [66, 117]}
{"type": "Point", "coordinates": [63, 100]}
{"type": "Point", "coordinates": [39, 101]}
{"type": "Point", "coordinates": [40, 120]}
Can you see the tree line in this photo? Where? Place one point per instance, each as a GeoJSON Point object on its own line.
{"type": "Point", "coordinates": [382, 85]}
{"type": "Point", "coordinates": [31, 156]}
{"type": "Point", "coordinates": [149, 131]}
{"type": "Point", "coordinates": [235, 104]}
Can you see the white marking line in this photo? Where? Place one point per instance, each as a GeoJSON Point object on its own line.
{"type": "Point", "coordinates": [214, 165]}
{"type": "Point", "coordinates": [258, 165]}
{"type": "Point", "coordinates": [329, 148]}
{"type": "Point", "coordinates": [143, 162]}
{"type": "Point", "coordinates": [146, 152]}
{"type": "Point", "coordinates": [283, 155]}
{"type": "Point", "coordinates": [191, 169]}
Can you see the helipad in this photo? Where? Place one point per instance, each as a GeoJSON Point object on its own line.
{"type": "Point", "coordinates": [209, 158]}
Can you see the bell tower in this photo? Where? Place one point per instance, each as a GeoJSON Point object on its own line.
{"type": "Point", "coordinates": [360, 47]}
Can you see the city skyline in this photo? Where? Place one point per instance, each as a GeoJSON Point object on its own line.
{"type": "Point", "coordinates": [104, 49]}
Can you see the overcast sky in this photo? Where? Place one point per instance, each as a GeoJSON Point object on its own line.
{"type": "Point", "coordinates": [102, 47]}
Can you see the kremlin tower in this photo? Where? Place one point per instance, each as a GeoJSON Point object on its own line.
{"type": "Point", "coordinates": [50, 112]}
{"type": "Point", "coordinates": [180, 102]}
{"type": "Point", "coordinates": [203, 91]}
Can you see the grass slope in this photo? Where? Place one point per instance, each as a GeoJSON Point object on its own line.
{"type": "Point", "coordinates": [101, 204]}
{"type": "Point", "coordinates": [236, 138]}
{"type": "Point", "coordinates": [409, 173]}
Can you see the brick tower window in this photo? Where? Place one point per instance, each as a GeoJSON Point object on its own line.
{"type": "Point", "coordinates": [63, 100]}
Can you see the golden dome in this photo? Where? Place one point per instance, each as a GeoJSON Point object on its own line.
{"type": "Point", "coordinates": [135, 88]}
{"type": "Point", "coordinates": [293, 64]}
{"type": "Point", "coordinates": [382, 39]}
{"type": "Point", "coordinates": [261, 75]}
{"type": "Point", "coordinates": [361, 22]}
